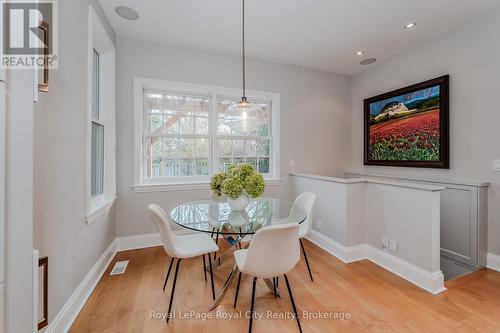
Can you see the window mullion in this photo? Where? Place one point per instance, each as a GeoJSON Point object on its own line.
{"type": "Point", "coordinates": [144, 136]}
{"type": "Point", "coordinates": [213, 129]}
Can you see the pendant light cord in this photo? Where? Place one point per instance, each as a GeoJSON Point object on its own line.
{"type": "Point", "coordinates": [243, 48]}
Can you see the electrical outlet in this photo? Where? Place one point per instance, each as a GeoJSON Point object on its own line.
{"type": "Point", "coordinates": [385, 242]}
{"type": "Point", "coordinates": [496, 165]}
{"type": "Point", "coordinates": [393, 245]}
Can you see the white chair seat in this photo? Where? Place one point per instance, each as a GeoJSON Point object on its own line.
{"type": "Point", "coordinates": [194, 245]}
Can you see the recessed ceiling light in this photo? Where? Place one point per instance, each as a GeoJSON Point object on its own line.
{"type": "Point", "coordinates": [358, 53]}
{"type": "Point", "coordinates": [410, 25]}
{"type": "Point", "coordinates": [127, 13]}
{"type": "Point", "coordinates": [368, 61]}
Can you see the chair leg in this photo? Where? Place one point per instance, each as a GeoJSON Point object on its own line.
{"type": "Point", "coordinates": [274, 287]}
{"type": "Point", "coordinates": [205, 268]}
{"type": "Point", "coordinates": [293, 302]}
{"type": "Point", "coordinates": [211, 276]}
{"type": "Point", "coordinates": [169, 269]}
{"type": "Point", "coordinates": [252, 305]}
{"type": "Point", "coordinates": [237, 290]}
{"type": "Point", "coordinates": [216, 239]}
{"type": "Point", "coordinates": [307, 261]}
{"type": "Point", "coordinates": [173, 289]}
{"type": "Point", "coordinates": [216, 242]}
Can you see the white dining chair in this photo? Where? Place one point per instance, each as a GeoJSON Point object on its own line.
{"type": "Point", "coordinates": [182, 247]}
{"type": "Point", "coordinates": [305, 201]}
{"type": "Point", "coordinates": [273, 251]}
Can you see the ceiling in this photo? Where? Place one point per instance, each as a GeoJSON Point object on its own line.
{"type": "Point", "coordinates": [317, 34]}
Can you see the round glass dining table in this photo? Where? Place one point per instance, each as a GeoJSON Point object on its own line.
{"type": "Point", "coordinates": [216, 217]}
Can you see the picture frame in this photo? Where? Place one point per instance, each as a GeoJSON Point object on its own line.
{"type": "Point", "coordinates": [43, 267]}
{"type": "Point", "coordinates": [43, 86]}
{"type": "Point", "coordinates": [409, 127]}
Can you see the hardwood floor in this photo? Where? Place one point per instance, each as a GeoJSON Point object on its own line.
{"type": "Point", "coordinates": [374, 299]}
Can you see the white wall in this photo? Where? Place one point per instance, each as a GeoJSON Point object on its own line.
{"type": "Point", "coordinates": [351, 216]}
{"type": "Point", "coordinates": [61, 232]}
{"type": "Point", "coordinates": [314, 111]}
{"type": "Point", "coordinates": [339, 208]}
{"type": "Point", "coordinates": [19, 202]}
{"type": "Point", "coordinates": [470, 56]}
{"type": "Point", "coordinates": [408, 215]}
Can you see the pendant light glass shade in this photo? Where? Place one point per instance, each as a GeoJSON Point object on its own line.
{"type": "Point", "coordinates": [244, 117]}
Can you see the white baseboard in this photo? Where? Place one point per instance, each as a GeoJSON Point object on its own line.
{"type": "Point", "coordinates": [144, 240]}
{"type": "Point", "coordinates": [431, 282]}
{"type": "Point", "coordinates": [138, 241]}
{"type": "Point", "coordinates": [65, 318]}
{"type": "Point", "coordinates": [493, 262]}
{"type": "Point", "coordinates": [344, 253]}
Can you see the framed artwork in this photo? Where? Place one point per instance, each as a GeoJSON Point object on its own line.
{"type": "Point", "coordinates": [43, 281]}
{"type": "Point", "coordinates": [44, 85]}
{"type": "Point", "coordinates": [409, 127]}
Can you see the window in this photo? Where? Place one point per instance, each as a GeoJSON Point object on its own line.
{"type": "Point", "coordinates": [176, 137]}
{"type": "Point", "coordinates": [181, 136]}
{"type": "Point", "coordinates": [97, 133]}
{"type": "Point", "coordinates": [101, 116]}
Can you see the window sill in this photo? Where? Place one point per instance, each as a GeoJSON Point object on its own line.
{"type": "Point", "coordinates": [168, 187]}
{"type": "Point", "coordinates": [99, 211]}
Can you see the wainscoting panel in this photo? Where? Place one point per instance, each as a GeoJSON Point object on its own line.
{"type": "Point", "coordinates": [464, 221]}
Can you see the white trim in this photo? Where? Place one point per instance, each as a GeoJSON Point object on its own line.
{"type": "Point", "coordinates": [3, 182]}
{"type": "Point", "coordinates": [346, 254]}
{"type": "Point", "coordinates": [141, 83]}
{"type": "Point", "coordinates": [67, 315]}
{"type": "Point", "coordinates": [190, 186]}
{"type": "Point", "coordinates": [200, 88]}
{"type": "Point", "coordinates": [493, 262]}
{"type": "Point", "coordinates": [99, 39]}
{"type": "Point", "coordinates": [414, 178]}
{"type": "Point", "coordinates": [415, 186]}
{"type": "Point", "coordinates": [97, 212]}
{"type": "Point", "coordinates": [138, 241]}
{"type": "Point", "coordinates": [432, 282]}
{"type": "Point", "coordinates": [144, 241]}
{"type": "Point", "coordinates": [329, 179]}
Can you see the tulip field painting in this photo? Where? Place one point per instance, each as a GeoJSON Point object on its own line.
{"type": "Point", "coordinates": [409, 127]}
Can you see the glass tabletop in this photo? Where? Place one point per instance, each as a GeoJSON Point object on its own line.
{"type": "Point", "coordinates": [215, 215]}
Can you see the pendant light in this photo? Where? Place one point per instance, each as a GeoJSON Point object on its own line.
{"type": "Point", "coordinates": [244, 117]}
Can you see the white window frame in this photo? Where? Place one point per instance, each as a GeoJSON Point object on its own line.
{"type": "Point", "coordinates": [98, 39]}
{"type": "Point", "coordinates": [197, 182]}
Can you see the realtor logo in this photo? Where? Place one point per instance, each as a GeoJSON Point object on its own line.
{"type": "Point", "coordinates": [29, 34]}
